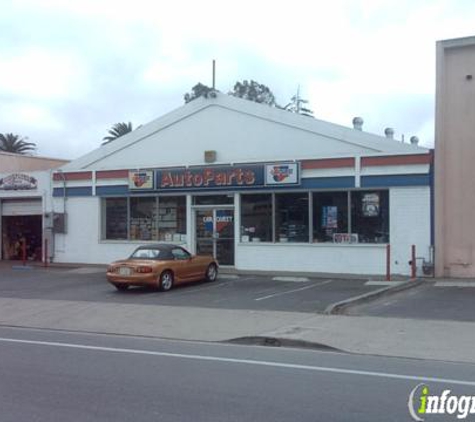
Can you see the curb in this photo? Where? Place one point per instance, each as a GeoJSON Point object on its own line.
{"type": "Point", "coordinates": [281, 342]}
{"type": "Point", "coordinates": [339, 308]}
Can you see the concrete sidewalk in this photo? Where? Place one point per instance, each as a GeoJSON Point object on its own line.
{"type": "Point", "coordinates": [443, 340]}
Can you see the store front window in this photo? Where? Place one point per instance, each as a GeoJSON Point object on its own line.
{"type": "Point", "coordinates": [291, 215]}
{"type": "Point", "coordinates": [172, 218]}
{"type": "Point", "coordinates": [114, 218]}
{"type": "Point", "coordinates": [370, 216]}
{"type": "Point", "coordinates": [144, 218]}
{"type": "Point", "coordinates": [330, 215]}
{"type": "Point", "coordinates": [256, 218]}
{"type": "Point", "coordinates": [337, 217]}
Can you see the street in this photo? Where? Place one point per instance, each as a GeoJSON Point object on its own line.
{"type": "Point", "coordinates": [52, 376]}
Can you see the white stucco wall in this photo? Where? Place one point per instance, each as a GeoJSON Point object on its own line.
{"type": "Point", "coordinates": [409, 225]}
{"type": "Point", "coordinates": [82, 243]}
{"type": "Point", "coordinates": [322, 258]}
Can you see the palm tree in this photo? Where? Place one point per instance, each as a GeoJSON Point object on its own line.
{"type": "Point", "coordinates": [15, 144]}
{"type": "Point", "coordinates": [117, 130]}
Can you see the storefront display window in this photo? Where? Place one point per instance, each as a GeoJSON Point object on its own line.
{"type": "Point", "coordinates": [292, 217]}
{"type": "Point", "coordinates": [115, 215]}
{"type": "Point", "coordinates": [256, 218]}
{"type": "Point", "coordinates": [172, 218]}
{"type": "Point", "coordinates": [370, 216]}
{"type": "Point", "coordinates": [330, 216]}
{"type": "Point", "coordinates": [143, 218]}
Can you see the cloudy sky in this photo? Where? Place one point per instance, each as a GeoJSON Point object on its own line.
{"type": "Point", "coordinates": [71, 69]}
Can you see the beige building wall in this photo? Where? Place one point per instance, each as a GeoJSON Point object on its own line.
{"type": "Point", "coordinates": [455, 159]}
{"type": "Point", "coordinates": [17, 162]}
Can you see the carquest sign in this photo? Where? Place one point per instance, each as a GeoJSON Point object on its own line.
{"type": "Point", "coordinates": [210, 177]}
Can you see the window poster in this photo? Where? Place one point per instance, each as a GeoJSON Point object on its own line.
{"type": "Point", "coordinates": [330, 217]}
{"type": "Point", "coordinates": [370, 204]}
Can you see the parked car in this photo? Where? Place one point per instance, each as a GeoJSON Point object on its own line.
{"type": "Point", "coordinates": [161, 266]}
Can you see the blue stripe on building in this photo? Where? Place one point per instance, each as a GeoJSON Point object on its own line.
{"type": "Point", "coordinates": [395, 180]}
{"type": "Point", "coordinates": [71, 192]}
{"type": "Point", "coordinates": [119, 190]}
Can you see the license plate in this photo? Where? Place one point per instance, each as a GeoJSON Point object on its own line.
{"type": "Point", "coordinates": [125, 271]}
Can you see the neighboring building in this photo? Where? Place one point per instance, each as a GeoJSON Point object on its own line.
{"type": "Point", "coordinates": [19, 162]}
{"type": "Point", "coordinates": [454, 159]}
{"type": "Point", "coordinates": [258, 187]}
{"type": "Point", "coordinates": [25, 204]}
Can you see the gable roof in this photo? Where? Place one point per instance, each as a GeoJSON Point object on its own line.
{"type": "Point", "coordinates": [224, 109]}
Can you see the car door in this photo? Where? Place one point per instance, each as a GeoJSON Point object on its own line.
{"type": "Point", "coordinates": [184, 266]}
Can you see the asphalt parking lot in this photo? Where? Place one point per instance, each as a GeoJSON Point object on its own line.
{"type": "Point", "coordinates": [250, 292]}
{"type": "Point", "coordinates": [436, 300]}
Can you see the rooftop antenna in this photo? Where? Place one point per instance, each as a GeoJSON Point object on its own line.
{"type": "Point", "coordinates": [214, 75]}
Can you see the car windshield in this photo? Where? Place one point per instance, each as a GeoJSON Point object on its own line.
{"type": "Point", "coordinates": [146, 254]}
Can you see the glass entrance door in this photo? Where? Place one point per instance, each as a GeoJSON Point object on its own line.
{"type": "Point", "coordinates": [215, 234]}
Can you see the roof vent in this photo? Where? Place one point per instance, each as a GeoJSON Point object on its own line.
{"type": "Point", "coordinates": [358, 123]}
{"type": "Point", "coordinates": [414, 140]}
{"type": "Point", "coordinates": [389, 132]}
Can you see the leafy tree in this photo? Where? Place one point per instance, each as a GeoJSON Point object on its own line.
{"type": "Point", "coordinates": [15, 144]}
{"type": "Point", "coordinates": [117, 130]}
{"type": "Point", "coordinates": [253, 91]}
{"type": "Point", "coordinates": [296, 105]}
{"type": "Point", "coordinates": [199, 90]}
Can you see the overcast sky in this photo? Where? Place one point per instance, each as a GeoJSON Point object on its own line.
{"type": "Point", "coordinates": [71, 69]}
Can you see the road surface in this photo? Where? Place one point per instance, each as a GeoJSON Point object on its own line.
{"type": "Point", "coordinates": [62, 376]}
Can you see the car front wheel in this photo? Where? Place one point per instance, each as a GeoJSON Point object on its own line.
{"type": "Point", "coordinates": [211, 272]}
{"type": "Point", "coordinates": [166, 281]}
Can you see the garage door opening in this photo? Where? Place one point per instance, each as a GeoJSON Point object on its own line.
{"type": "Point", "coordinates": [15, 230]}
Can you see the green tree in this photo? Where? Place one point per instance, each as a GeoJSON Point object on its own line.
{"type": "Point", "coordinates": [117, 130]}
{"type": "Point", "coordinates": [253, 91]}
{"type": "Point", "coordinates": [199, 90]}
{"type": "Point", "coordinates": [16, 144]}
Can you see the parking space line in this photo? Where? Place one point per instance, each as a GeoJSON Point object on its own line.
{"type": "Point", "coordinates": [293, 290]}
{"type": "Point", "coordinates": [198, 289]}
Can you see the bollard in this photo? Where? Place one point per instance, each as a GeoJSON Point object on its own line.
{"type": "Point", "coordinates": [46, 253]}
{"type": "Point", "coordinates": [413, 262]}
{"type": "Point", "coordinates": [388, 262]}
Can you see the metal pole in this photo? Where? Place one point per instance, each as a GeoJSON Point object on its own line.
{"type": "Point", "coordinates": [413, 262]}
{"type": "Point", "coordinates": [388, 262]}
{"type": "Point", "coordinates": [46, 253]}
{"type": "Point", "coordinates": [214, 74]}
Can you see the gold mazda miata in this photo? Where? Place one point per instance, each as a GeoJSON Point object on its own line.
{"type": "Point", "coordinates": [161, 266]}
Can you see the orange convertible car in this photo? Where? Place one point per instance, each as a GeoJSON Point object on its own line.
{"type": "Point", "coordinates": [161, 266]}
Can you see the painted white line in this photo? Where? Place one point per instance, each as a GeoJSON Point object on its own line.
{"type": "Point", "coordinates": [87, 270]}
{"type": "Point", "coordinates": [297, 279]}
{"type": "Point", "coordinates": [242, 361]}
{"type": "Point", "coordinates": [383, 283]}
{"type": "Point", "coordinates": [455, 284]}
{"type": "Point", "coordinates": [229, 276]}
{"type": "Point", "coordinates": [199, 289]}
{"type": "Point", "coordinates": [293, 291]}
